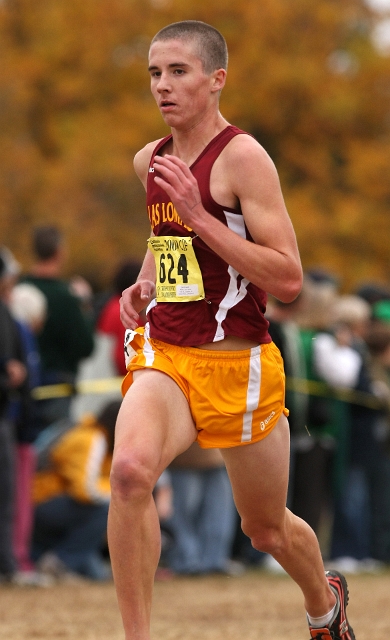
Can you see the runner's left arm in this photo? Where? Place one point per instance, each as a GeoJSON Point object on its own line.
{"type": "Point", "coordinates": [272, 261]}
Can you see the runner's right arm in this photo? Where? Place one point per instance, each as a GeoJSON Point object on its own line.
{"type": "Point", "coordinates": [140, 294]}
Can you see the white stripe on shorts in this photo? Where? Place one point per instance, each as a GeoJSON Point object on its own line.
{"type": "Point", "coordinates": [253, 393]}
{"type": "Point", "coordinates": [148, 349]}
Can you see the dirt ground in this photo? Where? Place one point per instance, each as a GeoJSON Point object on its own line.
{"type": "Point", "coordinates": [255, 606]}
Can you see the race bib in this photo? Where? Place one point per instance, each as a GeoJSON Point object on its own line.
{"type": "Point", "coordinates": [178, 275]}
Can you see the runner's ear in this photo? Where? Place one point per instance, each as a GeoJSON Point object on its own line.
{"type": "Point", "coordinates": [219, 79]}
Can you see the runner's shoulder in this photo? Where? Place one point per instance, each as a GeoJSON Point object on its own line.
{"type": "Point", "coordinates": [142, 159]}
{"type": "Point", "coordinates": [243, 146]}
{"type": "Point", "coordinates": [245, 158]}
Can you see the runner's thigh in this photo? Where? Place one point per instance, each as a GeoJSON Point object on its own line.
{"type": "Point", "coordinates": [259, 476]}
{"type": "Point", "coordinates": [154, 422]}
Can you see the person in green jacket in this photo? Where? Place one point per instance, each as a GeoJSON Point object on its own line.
{"type": "Point", "coordinates": [67, 336]}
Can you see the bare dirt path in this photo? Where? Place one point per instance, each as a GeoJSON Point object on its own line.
{"type": "Point", "coordinates": [256, 606]}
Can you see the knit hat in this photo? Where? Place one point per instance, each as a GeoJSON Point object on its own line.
{"type": "Point", "coordinates": [381, 310]}
{"type": "Point", "coordinates": [28, 304]}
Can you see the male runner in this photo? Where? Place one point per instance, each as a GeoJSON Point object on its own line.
{"type": "Point", "coordinates": [204, 367]}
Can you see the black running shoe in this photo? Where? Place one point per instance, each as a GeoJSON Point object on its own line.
{"type": "Point", "coordinates": [339, 628]}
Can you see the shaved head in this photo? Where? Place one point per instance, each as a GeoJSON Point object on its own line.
{"type": "Point", "coordinates": [210, 44]}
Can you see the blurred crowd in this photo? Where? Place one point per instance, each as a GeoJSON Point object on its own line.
{"type": "Point", "coordinates": [54, 467]}
{"type": "Point", "coordinates": [336, 350]}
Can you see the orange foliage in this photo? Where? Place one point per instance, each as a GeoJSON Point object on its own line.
{"type": "Point", "coordinates": [75, 106]}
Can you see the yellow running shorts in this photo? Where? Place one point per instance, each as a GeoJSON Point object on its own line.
{"type": "Point", "coordinates": [235, 397]}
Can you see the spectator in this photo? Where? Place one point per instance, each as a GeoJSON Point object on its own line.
{"type": "Point", "coordinates": [310, 494]}
{"type": "Point", "coordinates": [203, 522]}
{"type": "Point", "coordinates": [28, 306]}
{"type": "Point", "coordinates": [109, 321]}
{"type": "Point", "coordinates": [67, 335]}
{"type": "Point", "coordinates": [378, 341]}
{"type": "Point", "coordinates": [373, 292]}
{"type": "Point", "coordinates": [345, 365]}
{"type": "Point", "coordinates": [12, 376]}
{"type": "Point", "coordinates": [72, 495]}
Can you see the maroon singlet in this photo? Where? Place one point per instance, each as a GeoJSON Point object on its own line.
{"type": "Point", "coordinates": [232, 305]}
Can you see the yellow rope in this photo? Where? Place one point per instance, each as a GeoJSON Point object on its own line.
{"type": "Point", "coordinates": [110, 385]}
{"type": "Point", "coordinates": [316, 388]}
{"type": "Point", "coordinates": [100, 385]}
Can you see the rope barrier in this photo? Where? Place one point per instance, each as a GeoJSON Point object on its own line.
{"type": "Point", "coordinates": [299, 385]}
{"type": "Point", "coordinates": [84, 387]}
{"type": "Point", "coordinates": [321, 389]}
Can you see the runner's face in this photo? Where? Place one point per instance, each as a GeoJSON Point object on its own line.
{"type": "Point", "coordinates": [183, 92]}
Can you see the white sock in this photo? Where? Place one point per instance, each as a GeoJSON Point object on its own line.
{"type": "Point", "coordinates": [323, 621]}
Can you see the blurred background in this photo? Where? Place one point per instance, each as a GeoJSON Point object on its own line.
{"type": "Point", "coordinates": [310, 80]}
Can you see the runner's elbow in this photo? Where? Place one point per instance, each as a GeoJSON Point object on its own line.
{"type": "Point", "coordinates": [292, 292]}
{"type": "Point", "coordinates": [288, 289]}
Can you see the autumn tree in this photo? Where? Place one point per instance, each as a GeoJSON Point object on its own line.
{"type": "Point", "coordinates": [304, 78]}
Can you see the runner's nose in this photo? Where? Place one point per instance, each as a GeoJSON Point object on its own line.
{"type": "Point", "coordinates": [163, 83]}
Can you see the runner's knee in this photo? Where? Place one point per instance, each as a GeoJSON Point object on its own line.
{"type": "Point", "coordinates": [268, 539]}
{"type": "Point", "coordinates": [131, 477]}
